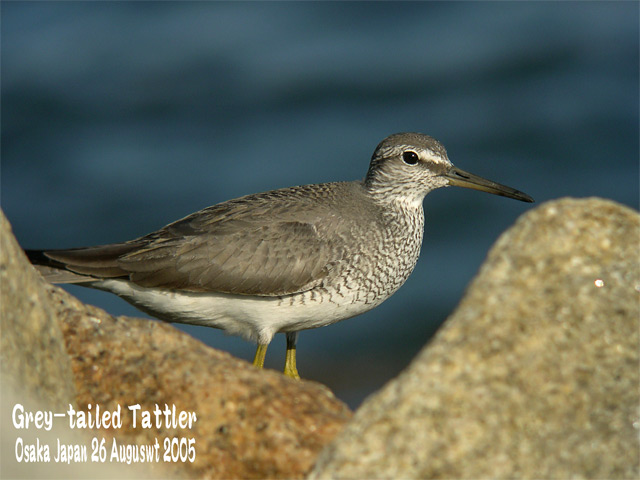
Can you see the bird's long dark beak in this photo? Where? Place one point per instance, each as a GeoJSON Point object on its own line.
{"type": "Point", "coordinates": [460, 178]}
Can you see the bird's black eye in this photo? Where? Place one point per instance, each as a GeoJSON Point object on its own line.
{"type": "Point", "coordinates": [410, 158]}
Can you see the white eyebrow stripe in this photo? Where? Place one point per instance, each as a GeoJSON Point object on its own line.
{"type": "Point", "coordinates": [422, 152]}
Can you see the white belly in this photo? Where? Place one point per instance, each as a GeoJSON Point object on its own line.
{"type": "Point", "coordinates": [252, 317]}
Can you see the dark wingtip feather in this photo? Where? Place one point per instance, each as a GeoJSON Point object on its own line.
{"type": "Point", "coordinates": [39, 257]}
{"type": "Point", "coordinates": [99, 262]}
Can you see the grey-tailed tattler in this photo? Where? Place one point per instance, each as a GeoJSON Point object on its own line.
{"type": "Point", "coordinates": [280, 261]}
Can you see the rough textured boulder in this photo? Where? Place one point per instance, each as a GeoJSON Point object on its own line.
{"type": "Point", "coordinates": [535, 375]}
{"type": "Point", "coordinates": [250, 423]}
{"type": "Point", "coordinates": [32, 353]}
{"type": "Point", "coordinates": [36, 372]}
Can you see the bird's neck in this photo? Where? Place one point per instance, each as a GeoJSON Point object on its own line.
{"type": "Point", "coordinates": [394, 196]}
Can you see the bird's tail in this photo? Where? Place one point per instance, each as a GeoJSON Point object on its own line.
{"type": "Point", "coordinates": [80, 265]}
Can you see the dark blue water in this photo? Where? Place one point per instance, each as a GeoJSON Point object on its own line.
{"type": "Point", "coordinates": [118, 118]}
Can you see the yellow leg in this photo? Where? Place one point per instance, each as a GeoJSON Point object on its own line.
{"type": "Point", "coordinates": [290, 369]}
{"type": "Point", "coordinates": [261, 352]}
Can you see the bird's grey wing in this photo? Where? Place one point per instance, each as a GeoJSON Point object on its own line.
{"type": "Point", "coordinates": [275, 243]}
{"type": "Point", "coordinates": [255, 258]}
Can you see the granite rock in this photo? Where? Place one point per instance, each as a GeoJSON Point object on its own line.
{"type": "Point", "coordinates": [33, 358]}
{"type": "Point", "coordinates": [36, 373]}
{"type": "Point", "coordinates": [250, 423]}
{"type": "Point", "coordinates": [535, 374]}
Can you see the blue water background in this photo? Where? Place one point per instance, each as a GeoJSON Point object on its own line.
{"type": "Point", "coordinates": [118, 118]}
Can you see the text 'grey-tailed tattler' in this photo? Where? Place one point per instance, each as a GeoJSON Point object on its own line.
{"type": "Point", "coordinates": [280, 261]}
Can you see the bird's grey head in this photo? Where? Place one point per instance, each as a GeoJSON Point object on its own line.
{"type": "Point", "coordinates": [407, 166]}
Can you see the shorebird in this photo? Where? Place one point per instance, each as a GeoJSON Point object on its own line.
{"type": "Point", "coordinates": [284, 260]}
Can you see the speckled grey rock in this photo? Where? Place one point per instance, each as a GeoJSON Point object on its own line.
{"type": "Point", "coordinates": [36, 370]}
{"type": "Point", "coordinates": [32, 351]}
{"type": "Point", "coordinates": [535, 375]}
